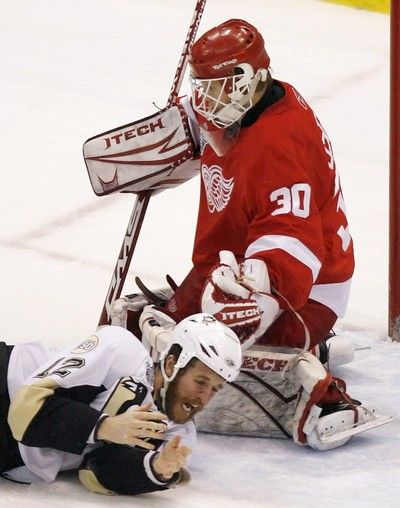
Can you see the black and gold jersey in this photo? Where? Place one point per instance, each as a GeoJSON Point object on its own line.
{"type": "Point", "coordinates": [54, 410]}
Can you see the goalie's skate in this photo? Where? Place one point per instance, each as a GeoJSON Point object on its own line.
{"type": "Point", "coordinates": [336, 428]}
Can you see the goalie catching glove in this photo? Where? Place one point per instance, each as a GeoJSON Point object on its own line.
{"type": "Point", "coordinates": [240, 297]}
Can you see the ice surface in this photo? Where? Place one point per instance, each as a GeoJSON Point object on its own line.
{"type": "Point", "coordinates": [70, 70]}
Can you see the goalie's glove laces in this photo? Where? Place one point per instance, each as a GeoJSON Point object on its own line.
{"type": "Point", "coordinates": [239, 296]}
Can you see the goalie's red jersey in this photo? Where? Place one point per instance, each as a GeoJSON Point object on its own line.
{"type": "Point", "coordinates": [276, 196]}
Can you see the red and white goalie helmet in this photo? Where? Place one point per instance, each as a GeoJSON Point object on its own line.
{"type": "Point", "coordinates": [201, 336]}
{"type": "Point", "coordinates": [227, 63]}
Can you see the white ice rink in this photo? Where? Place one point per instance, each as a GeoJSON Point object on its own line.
{"type": "Point", "coordinates": [72, 69]}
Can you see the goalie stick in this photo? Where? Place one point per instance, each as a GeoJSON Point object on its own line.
{"type": "Point", "coordinates": [142, 200]}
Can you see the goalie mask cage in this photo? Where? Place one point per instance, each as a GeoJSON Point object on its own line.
{"type": "Point", "coordinates": [394, 179]}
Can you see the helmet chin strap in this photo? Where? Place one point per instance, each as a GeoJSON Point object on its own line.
{"type": "Point", "coordinates": [163, 392]}
{"type": "Point", "coordinates": [166, 381]}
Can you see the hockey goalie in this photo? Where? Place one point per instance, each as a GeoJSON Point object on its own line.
{"type": "Point", "coordinates": [272, 258]}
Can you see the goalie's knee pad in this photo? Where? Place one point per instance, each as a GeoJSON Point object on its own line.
{"type": "Point", "coordinates": [334, 351]}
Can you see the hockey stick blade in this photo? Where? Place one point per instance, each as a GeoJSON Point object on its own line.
{"type": "Point", "coordinates": [379, 421]}
{"type": "Point", "coordinates": [172, 284]}
{"type": "Point", "coordinates": [150, 295]}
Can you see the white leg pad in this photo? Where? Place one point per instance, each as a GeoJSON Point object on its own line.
{"type": "Point", "coordinates": [314, 381]}
{"type": "Point", "coordinates": [309, 371]}
{"type": "Point", "coordinates": [261, 401]}
{"type": "Point", "coordinates": [340, 351]}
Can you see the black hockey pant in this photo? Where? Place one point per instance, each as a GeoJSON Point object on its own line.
{"type": "Point", "coordinates": [9, 453]}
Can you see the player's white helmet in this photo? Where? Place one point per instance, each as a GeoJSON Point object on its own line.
{"type": "Point", "coordinates": [201, 336]}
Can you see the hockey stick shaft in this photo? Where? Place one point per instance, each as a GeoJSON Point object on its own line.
{"type": "Point", "coordinates": [125, 254]}
{"type": "Point", "coordinates": [139, 210]}
{"type": "Point", "coordinates": [180, 70]}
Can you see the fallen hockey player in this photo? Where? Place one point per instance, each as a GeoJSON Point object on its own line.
{"type": "Point", "coordinates": [96, 407]}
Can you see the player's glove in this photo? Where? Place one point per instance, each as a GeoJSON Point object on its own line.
{"type": "Point", "coordinates": [156, 330]}
{"type": "Point", "coordinates": [239, 296]}
{"type": "Point", "coordinates": [125, 310]}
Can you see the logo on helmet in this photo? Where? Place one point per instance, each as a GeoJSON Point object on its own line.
{"type": "Point", "coordinates": [229, 362]}
{"type": "Point", "coordinates": [224, 64]}
{"type": "Point", "coordinates": [208, 319]}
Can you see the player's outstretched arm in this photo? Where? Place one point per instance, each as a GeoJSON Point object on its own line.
{"type": "Point", "coordinates": [121, 469]}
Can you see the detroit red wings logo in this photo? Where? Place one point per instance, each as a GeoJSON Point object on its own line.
{"type": "Point", "coordinates": [218, 189]}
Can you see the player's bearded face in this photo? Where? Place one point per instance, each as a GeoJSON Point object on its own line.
{"type": "Point", "coordinates": [189, 392]}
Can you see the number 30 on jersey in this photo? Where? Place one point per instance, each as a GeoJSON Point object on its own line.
{"type": "Point", "coordinates": [295, 199]}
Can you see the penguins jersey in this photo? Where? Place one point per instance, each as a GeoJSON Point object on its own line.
{"type": "Point", "coordinates": [59, 397]}
{"type": "Point", "coordinates": [276, 196]}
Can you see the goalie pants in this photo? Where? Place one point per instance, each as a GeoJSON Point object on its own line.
{"type": "Point", "coordinates": [286, 331]}
{"type": "Point", "coordinates": [9, 452]}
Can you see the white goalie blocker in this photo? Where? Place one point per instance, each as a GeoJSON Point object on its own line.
{"type": "Point", "coordinates": [155, 153]}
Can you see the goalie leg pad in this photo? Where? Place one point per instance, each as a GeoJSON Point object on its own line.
{"type": "Point", "coordinates": [335, 351]}
{"type": "Point", "coordinates": [331, 430]}
{"type": "Point", "coordinates": [314, 380]}
{"type": "Point", "coordinates": [260, 402]}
